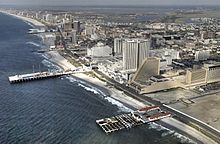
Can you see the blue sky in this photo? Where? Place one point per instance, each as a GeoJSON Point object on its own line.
{"type": "Point", "coordinates": [111, 2]}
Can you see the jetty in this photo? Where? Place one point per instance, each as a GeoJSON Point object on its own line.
{"type": "Point", "coordinates": [132, 119]}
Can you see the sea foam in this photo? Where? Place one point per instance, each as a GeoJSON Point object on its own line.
{"type": "Point", "coordinates": [99, 92]}
{"type": "Point", "coordinates": [34, 44]}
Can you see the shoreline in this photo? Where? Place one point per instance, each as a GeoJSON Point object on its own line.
{"type": "Point", "coordinates": [57, 59]}
{"type": "Point", "coordinates": [25, 19]}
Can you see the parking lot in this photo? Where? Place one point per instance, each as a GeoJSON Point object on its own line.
{"type": "Point", "coordinates": [204, 108]}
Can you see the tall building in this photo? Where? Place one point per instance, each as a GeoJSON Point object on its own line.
{"type": "Point", "coordinates": [74, 37]}
{"type": "Point", "coordinates": [67, 26]}
{"type": "Point", "coordinates": [76, 26]}
{"type": "Point", "coordinates": [134, 52]}
{"type": "Point", "coordinates": [118, 46]}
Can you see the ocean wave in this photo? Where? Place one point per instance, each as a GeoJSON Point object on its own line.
{"type": "Point", "coordinates": [165, 132]}
{"type": "Point", "coordinates": [183, 139]}
{"type": "Point", "coordinates": [88, 89]}
{"type": "Point", "coordinates": [157, 127]}
{"type": "Point", "coordinates": [30, 24]}
{"type": "Point", "coordinates": [118, 104]}
{"type": "Point", "coordinates": [86, 86]}
{"type": "Point", "coordinates": [51, 65]}
{"type": "Point", "coordinates": [99, 92]}
{"type": "Point", "coordinates": [34, 44]}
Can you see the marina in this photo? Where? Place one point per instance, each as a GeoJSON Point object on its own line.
{"type": "Point", "coordinates": [132, 119]}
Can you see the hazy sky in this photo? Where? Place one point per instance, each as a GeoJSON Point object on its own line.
{"type": "Point", "coordinates": [111, 2]}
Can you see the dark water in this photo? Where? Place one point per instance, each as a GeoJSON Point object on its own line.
{"type": "Point", "coordinates": [61, 110]}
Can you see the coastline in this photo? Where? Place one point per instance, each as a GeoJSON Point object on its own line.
{"type": "Point", "coordinates": [56, 58]}
{"type": "Point", "coordinates": [30, 20]}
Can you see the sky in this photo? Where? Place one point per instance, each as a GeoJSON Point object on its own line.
{"type": "Point", "coordinates": [109, 2]}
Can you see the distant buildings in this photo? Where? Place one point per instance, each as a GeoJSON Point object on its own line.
{"type": "Point", "coordinates": [49, 17]}
{"type": "Point", "coordinates": [89, 30]}
{"type": "Point", "coordinates": [134, 52]}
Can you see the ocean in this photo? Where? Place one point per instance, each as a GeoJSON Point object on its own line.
{"type": "Point", "coordinates": [60, 110]}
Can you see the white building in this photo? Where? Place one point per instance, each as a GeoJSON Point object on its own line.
{"type": "Point", "coordinates": [118, 46]}
{"type": "Point", "coordinates": [134, 52]}
{"type": "Point", "coordinates": [100, 50]}
{"type": "Point", "coordinates": [74, 38]}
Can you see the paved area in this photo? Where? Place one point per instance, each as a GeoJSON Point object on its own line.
{"type": "Point", "coordinates": [172, 96]}
{"type": "Point", "coordinates": [205, 108]}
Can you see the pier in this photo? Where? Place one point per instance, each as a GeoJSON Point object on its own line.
{"type": "Point", "coordinates": [132, 119]}
{"type": "Point", "coordinates": [36, 76]}
{"type": "Point", "coordinates": [44, 75]}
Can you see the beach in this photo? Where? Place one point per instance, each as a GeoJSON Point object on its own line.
{"type": "Point", "coordinates": [56, 58]}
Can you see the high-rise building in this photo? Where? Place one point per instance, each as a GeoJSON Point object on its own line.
{"type": "Point", "coordinates": [67, 26]}
{"type": "Point", "coordinates": [76, 26]}
{"type": "Point", "coordinates": [118, 46]}
{"type": "Point", "coordinates": [74, 37]}
{"type": "Point", "coordinates": [134, 52]}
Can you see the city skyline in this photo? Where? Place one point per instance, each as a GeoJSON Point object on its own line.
{"type": "Point", "coordinates": [107, 2]}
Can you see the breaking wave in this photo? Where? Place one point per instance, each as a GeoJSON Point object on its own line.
{"type": "Point", "coordinates": [168, 132]}
{"type": "Point", "coordinates": [97, 91]}
{"type": "Point", "coordinates": [34, 44]}
{"type": "Point", "coordinates": [50, 65]}
{"type": "Point", "coordinates": [30, 24]}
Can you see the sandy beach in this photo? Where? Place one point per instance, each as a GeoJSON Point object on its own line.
{"type": "Point", "coordinates": [57, 59]}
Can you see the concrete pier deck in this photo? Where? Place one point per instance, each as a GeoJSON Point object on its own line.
{"type": "Point", "coordinates": [132, 119]}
